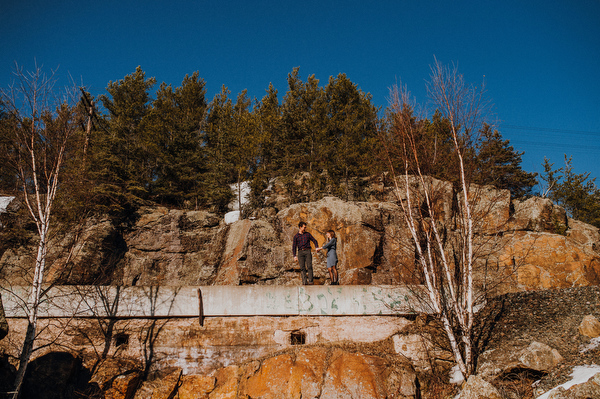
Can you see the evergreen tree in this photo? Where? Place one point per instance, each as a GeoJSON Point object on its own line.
{"type": "Point", "coordinates": [244, 141]}
{"type": "Point", "coordinates": [122, 154]}
{"type": "Point", "coordinates": [351, 131]}
{"type": "Point", "coordinates": [499, 164]}
{"type": "Point", "coordinates": [303, 113]}
{"type": "Point", "coordinates": [217, 144]}
{"type": "Point", "coordinates": [175, 123]}
{"type": "Point", "coordinates": [8, 176]}
{"type": "Point", "coordinates": [577, 193]}
{"type": "Point", "coordinates": [304, 122]}
{"type": "Point", "coordinates": [270, 145]}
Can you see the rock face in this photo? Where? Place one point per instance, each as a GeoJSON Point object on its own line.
{"type": "Point", "coordinates": [522, 245]}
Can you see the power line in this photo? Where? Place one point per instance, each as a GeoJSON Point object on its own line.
{"type": "Point", "coordinates": [556, 145]}
{"type": "Point", "coordinates": [544, 129]}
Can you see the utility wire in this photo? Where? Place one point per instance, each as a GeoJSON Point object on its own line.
{"type": "Point", "coordinates": [556, 145]}
{"type": "Point", "coordinates": [543, 129]}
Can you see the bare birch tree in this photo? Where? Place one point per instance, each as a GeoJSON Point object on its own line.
{"type": "Point", "coordinates": [41, 125]}
{"type": "Point", "coordinates": [445, 261]}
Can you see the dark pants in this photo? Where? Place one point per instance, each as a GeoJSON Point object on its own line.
{"type": "Point", "coordinates": [305, 261]}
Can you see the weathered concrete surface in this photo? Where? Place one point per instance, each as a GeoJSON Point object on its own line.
{"type": "Point", "coordinates": [153, 302]}
{"type": "Point", "coordinates": [183, 343]}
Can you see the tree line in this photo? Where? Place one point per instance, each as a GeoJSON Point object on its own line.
{"type": "Point", "coordinates": [138, 144]}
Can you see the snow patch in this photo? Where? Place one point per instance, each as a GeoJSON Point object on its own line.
{"type": "Point", "coordinates": [594, 343]}
{"type": "Point", "coordinates": [4, 201]}
{"type": "Point", "coordinates": [580, 375]}
{"type": "Point", "coordinates": [232, 217]}
{"type": "Point", "coordinates": [456, 376]}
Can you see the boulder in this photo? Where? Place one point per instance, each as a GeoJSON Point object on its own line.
{"type": "Point", "coordinates": [356, 375]}
{"type": "Point", "coordinates": [83, 256]}
{"type": "Point", "coordinates": [540, 357]}
{"type": "Point", "coordinates": [590, 326]}
{"type": "Point", "coordinates": [226, 383]}
{"type": "Point", "coordinates": [478, 388]}
{"type": "Point", "coordinates": [163, 387]}
{"type": "Point", "coordinates": [111, 375]}
{"type": "Point", "coordinates": [123, 386]}
{"type": "Point", "coordinates": [537, 357]}
{"type": "Point", "coordinates": [173, 248]}
{"type": "Point", "coordinates": [584, 233]}
{"type": "Point", "coordinates": [286, 377]}
{"type": "Point", "coordinates": [358, 227]}
{"type": "Point", "coordinates": [539, 215]}
{"type": "Point", "coordinates": [490, 208]}
{"type": "Point", "coordinates": [195, 387]}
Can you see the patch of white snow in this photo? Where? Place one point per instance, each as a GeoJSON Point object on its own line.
{"type": "Point", "coordinates": [594, 343]}
{"type": "Point", "coordinates": [456, 376]}
{"type": "Point", "coordinates": [580, 375]}
{"type": "Point", "coordinates": [4, 201]}
{"type": "Point", "coordinates": [231, 217]}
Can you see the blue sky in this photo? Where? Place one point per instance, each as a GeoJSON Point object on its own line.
{"type": "Point", "coordinates": [540, 59]}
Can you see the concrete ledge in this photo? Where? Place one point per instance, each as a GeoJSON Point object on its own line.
{"type": "Point", "coordinates": [151, 302]}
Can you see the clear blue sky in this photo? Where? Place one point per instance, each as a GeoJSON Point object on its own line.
{"type": "Point", "coordinates": [540, 59]}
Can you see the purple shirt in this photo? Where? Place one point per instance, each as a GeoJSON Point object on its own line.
{"type": "Point", "coordinates": [302, 241]}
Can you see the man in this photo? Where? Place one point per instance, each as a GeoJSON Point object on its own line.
{"type": "Point", "coordinates": [301, 244]}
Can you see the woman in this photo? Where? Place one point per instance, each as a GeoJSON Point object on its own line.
{"type": "Point", "coordinates": [332, 259]}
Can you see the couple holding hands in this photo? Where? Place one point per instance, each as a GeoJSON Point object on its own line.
{"type": "Point", "coordinates": [302, 251]}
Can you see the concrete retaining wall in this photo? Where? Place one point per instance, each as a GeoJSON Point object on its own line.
{"type": "Point", "coordinates": [155, 302]}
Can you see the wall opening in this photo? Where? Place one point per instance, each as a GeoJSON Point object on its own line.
{"type": "Point", "coordinates": [121, 339]}
{"type": "Point", "coordinates": [297, 338]}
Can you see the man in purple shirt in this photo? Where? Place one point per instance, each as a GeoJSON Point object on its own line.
{"type": "Point", "coordinates": [301, 244]}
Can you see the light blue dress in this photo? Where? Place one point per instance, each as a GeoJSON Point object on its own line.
{"type": "Point", "coordinates": [331, 247]}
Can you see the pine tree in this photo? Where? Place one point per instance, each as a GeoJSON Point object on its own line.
{"type": "Point", "coordinates": [270, 145]}
{"type": "Point", "coordinates": [175, 123]}
{"type": "Point", "coordinates": [351, 131]}
{"type": "Point", "coordinates": [122, 154]}
{"type": "Point", "coordinates": [576, 192]}
{"type": "Point", "coordinates": [217, 144]}
{"type": "Point", "coordinates": [499, 164]}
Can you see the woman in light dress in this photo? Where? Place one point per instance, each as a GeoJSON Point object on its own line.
{"type": "Point", "coordinates": [332, 259]}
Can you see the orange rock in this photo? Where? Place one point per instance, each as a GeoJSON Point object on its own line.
{"type": "Point", "coordinates": [543, 261]}
{"type": "Point", "coordinates": [123, 387]}
{"type": "Point", "coordinates": [226, 383]}
{"type": "Point", "coordinates": [163, 387]}
{"type": "Point", "coordinates": [354, 375]}
{"type": "Point", "coordinates": [285, 377]}
{"type": "Point", "coordinates": [590, 326]}
{"type": "Point", "coordinates": [196, 387]}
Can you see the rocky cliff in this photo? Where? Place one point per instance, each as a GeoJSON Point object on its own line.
{"type": "Point", "coordinates": [521, 245]}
